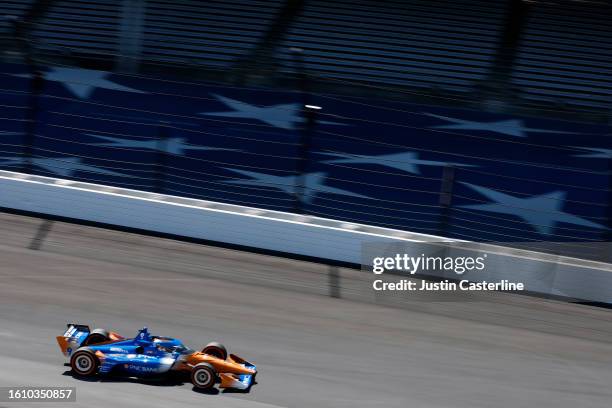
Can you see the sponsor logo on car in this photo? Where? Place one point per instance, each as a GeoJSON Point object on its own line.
{"type": "Point", "coordinates": [140, 369]}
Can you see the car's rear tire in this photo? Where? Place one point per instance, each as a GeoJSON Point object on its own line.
{"type": "Point", "coordinates": [96, 336]}
{"type": "Point", "coordinates": [216, 350]}
{"type": "Point", "coordinates": [84, 363]}
{"type": "Point", "coordinates": [203, 376]}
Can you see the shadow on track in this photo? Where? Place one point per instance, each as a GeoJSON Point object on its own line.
{"type": "Point", "coordinates": [165, 381]}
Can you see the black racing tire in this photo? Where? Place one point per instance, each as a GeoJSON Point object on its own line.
{"type": "Point", "coordinates": [216, 350]}
{"type": "Point", "coordinates": [203, 376]}
{"type": "Point", "coordinates": [96, 336]}
{"type": "Point", "coordinates": [84, 363]}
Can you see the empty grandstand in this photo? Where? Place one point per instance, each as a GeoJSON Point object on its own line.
{"type": "Point", "coordinates": [559, 58]}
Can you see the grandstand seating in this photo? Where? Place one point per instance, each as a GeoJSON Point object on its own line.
{"type": "Point", "coordinates": [425, 43]}
{"type": "Point", "coordinates": [565, 55]}
{"type": "Point", "coordinates": [11, 8]}
{"type": "Point", "coordinates": [216, 32]}
{"type": "Point", "coordinates": [79, 27]}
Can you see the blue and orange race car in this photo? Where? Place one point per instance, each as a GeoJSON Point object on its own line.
{"type": "Point", "coordinates": [104, 352]}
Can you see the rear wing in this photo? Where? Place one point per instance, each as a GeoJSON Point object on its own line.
{"type": "Point", "coordinates": [72, 338]}
{"type": "Point", "coordinates": [75, 328]}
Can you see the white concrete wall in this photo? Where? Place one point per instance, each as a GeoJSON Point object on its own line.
{"type": "Point", "coordinates": [585, 281]}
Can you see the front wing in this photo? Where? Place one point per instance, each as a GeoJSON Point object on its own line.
{"type": "Point", "coordinates": [238, 381]}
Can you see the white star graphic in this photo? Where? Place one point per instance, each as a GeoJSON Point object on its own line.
{"type": "Point", "coordinates": [82, 82]}
{"type": "Point", "coordinates": [543, 211]}
{"type": "Point", "coordinates": [172, 145]}
{"type": "Point", "coordinates": [406, 161]}
{"type": "Point", "coordinates": [63, 166]}
{"type": "Point", "coordinates": [595, 152]}
{"type": "Point", "coordinates": [313, 184]}
{"type": "Point", "coordinates": [510, 127]}
{"type": "Point", "coordinates": [283, 116]}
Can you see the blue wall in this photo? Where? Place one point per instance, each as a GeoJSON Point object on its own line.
{"type": "Point", "coordinates": [369, 161]}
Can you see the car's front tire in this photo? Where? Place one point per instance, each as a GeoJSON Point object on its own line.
{"type": "Point", "coordinates": [84, 363]}
{"type": "Point", "coordinates": [203, 376]}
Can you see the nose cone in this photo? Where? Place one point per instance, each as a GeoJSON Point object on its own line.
{"type": "Point", "coordinates": [241, 369]}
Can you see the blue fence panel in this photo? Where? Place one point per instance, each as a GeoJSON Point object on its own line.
{"type": "Point", "coordinates": [366, 161]}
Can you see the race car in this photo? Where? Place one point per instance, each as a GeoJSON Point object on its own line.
{"type": "Point", "coordinates": [98, 351]}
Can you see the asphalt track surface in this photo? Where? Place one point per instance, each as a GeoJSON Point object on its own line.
{"type": "Point", "coordinates": [312, 349]}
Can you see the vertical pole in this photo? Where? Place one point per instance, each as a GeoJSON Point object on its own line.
{"type": "Point", "coordinates": [309, 115]}
{"type": "Point", "coordinates": [303, 158]}
{"type": "Point", "coordinates": [130, 35]}
{"type": "Point", "coordinates": [507, 49]}
{"type": "Point", "coordinates": [262, 55]}
{"type": "Point", "coordinates": [36, 85]}
{"type": "Point", "coordinates": [161, 158]}
{"type": "Point", "coordinates": [446, 197]}
{"type": "Point", "coordinates": [22, 30]}
{"type": "Point", "coordinates": [607, 235]}
{"type": "Point", "coordinates": [500, 73]}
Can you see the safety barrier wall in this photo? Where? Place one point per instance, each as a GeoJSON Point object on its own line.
{"type": "Point", "coordinates": [466, 174]}
{"type": "Point", "coordinates": [282, 232]}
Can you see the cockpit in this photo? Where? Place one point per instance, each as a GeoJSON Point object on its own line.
{"type": "Point", "coordinates": [180, 349]}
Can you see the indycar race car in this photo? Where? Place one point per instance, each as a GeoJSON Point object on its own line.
{"type": "Point", "coordinates": [103, 352]}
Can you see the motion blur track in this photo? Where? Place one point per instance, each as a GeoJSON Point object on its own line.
{"type": "Point", "coordinates": [313, 350]}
